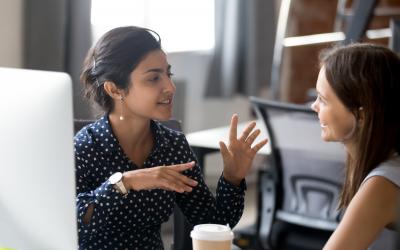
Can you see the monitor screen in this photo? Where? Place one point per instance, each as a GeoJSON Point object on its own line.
{"type": "Point", "coordinates": [37, 177]}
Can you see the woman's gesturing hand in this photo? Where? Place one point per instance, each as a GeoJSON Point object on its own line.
{"type": "Point", "coordinates": [163, 177]}
{"type": "Point", "coordinates": [239, 154]}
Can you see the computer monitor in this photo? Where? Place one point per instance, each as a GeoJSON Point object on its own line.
{"type": "Point", "coordinates": [37, 177]}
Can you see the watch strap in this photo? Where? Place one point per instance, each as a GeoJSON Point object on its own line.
{"type": "Point", "coordinates": [121, 187]}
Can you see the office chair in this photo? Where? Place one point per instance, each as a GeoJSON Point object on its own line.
{"type": "Point", "coordinates": [300, 188]}
{"type": "Point", "coordinates": [80, 123]}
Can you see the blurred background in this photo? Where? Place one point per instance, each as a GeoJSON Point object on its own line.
{"type": "Point", "coordinates": [220, 51]}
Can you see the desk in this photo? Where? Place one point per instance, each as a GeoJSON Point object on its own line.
{"type": "Point", "coordinates": [202, 143]}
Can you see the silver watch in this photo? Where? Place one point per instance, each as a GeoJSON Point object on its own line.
{"type": "Point", "coordinates": [116, 180]}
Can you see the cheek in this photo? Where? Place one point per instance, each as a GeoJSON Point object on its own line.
{"type": "Point", "coordinates": [347, 124]}
{"type": "Point", "coordinates": [339, 125]}
{"type": "Point", "coordinates": [325, 115]}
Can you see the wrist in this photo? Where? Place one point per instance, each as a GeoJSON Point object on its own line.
{"type": "Point", "coordinates": [232, 180]}
{"type": "Point", "coordinates": [126, 180]}
{"type": "Point", "coordinates": [116, 181]}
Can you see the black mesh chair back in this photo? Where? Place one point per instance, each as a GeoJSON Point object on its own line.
{"type": "Point", "coordinates": [80, 123]}
{"type": "Point", "coordinates": [299, 191]}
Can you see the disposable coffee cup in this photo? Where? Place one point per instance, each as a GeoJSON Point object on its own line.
{"type": "Point", "coordinates": [211, 237]}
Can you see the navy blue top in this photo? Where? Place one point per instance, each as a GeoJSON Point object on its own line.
{"type": "Point", "coordinates": [134, 221]}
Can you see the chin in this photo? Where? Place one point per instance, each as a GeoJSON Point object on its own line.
{"type": "Point", "coordinates": [163, 117]}
{"type": "Point", "coordinates": [328, 138]}
{"type": "Point", "coordinates": [325, 137]}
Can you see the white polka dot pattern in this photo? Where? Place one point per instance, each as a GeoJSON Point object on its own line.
{"type": "Point", "coordinates": [134, 221]}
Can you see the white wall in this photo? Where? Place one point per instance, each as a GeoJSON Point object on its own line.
{"type": "Point", "coordinates": [11, 33]}
{"type": "Point", "coordinates": [188, 67]}
{"type": "Point", "coordinates": [200, 112]}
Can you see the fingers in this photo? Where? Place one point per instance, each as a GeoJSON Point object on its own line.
{"type": "Point", "coordinates": [174, 170]}
{"type": "Point", "coordinates": [180, 178]}
{"type": "Point", "coordinates": [181, 167]}
{"type": "Point", "coordinates": [233, 129]}
{"type": "Point", "coordinates": [259, 145]}
{"type": "Point", "coordinates": [223, 148]}
{"type": "Point", "coordinates": [247, 131]}
{"type": "Point", "coordinates": [250, 139]}
{"type": "Point", "coordinates": [175, 181]}
{"type": "Point", "coordinates": [171, 182]}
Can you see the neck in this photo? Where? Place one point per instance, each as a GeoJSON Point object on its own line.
{"type": "Point", "coordinates": [131, 132]}
{"type": "Point", "coordinates": [350, 147]}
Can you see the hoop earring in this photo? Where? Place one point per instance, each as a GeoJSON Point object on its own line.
{"type": "Point", "coordinates": [121, 117]}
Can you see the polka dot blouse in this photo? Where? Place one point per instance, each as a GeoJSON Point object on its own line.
{"type": "Point", "coordinates": [134, 221]}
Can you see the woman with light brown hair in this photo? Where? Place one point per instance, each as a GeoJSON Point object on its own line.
{"type": "Point", "coordinates": [358, 104]}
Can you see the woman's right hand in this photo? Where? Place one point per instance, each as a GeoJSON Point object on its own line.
{"type": "Point", "coordinates": [162, 177]}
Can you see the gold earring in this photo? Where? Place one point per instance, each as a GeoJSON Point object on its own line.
{"type": "Point", "coordinates": [121, 117]}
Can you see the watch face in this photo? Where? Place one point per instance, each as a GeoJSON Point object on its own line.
{"type": "Point", "coordinates": [115, 178]}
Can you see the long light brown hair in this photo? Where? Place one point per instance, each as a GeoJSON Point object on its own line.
{"type": "Point", "coordinates": [366, 78]}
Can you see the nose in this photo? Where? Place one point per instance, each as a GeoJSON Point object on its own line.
{"type": "Point", "coordinates": [314, 105]}
{"type": "Point", "coordinates": [170, 86]}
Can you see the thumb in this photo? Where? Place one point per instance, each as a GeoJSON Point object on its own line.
{"type": "Point", "coordinates": [224, 149]}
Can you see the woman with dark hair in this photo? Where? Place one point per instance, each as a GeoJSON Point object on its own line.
{"type": "Point", "coordinates": [131, 169]}
{"type": "Point", "coordinates": [358, 104]}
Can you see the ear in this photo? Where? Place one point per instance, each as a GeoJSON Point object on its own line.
{"type": "Point", "coordinates": [113, 91]}
{"type": "Point", "coordinates": [361, 115]}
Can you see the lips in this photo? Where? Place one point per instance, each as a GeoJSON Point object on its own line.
{"type": "Point", "coordinates": [323, 125]}
{"type": "Point", "coordinates": [166, 101]}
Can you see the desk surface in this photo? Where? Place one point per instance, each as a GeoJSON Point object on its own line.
{"type": "Point", "coordinates": [210, 138]}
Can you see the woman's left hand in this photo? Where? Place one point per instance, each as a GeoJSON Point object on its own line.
{"type": "Point", "coordinates": [239, 154]}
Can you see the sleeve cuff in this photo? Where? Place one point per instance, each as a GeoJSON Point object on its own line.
{"type": "Point", "coordinates": [233, 188]}
{"type": "Point", "coordinates": [106, 191]}
{"type": "Point", "coordinates": [103, 191]}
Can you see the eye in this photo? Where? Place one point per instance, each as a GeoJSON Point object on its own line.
{"type": "Point", "coordinates": [155, 78]}
{"type": "Point", "coordinates": [320, 99]}
{"type": "Point", "coordinates": [170, 74]}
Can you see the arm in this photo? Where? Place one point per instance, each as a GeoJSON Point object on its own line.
{"type": "Point", "coordinates": [371, 209]}
{"type": "Point", "coordinates": [227, 207]}
{"type": "Point", "coordinates": [200, 206]}
{"type": "Point", "coordinates": [93, 206]}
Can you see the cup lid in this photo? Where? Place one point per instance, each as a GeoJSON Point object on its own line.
{"type": "Point", "coordinates": [213, 232]}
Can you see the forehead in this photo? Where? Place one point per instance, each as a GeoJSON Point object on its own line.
{"type": "Point", "coordinates": [322, 83]}
{"type": "Point", "coordinates": [327, 92]}
{"type": "Point", "coordinates": [154, 59]}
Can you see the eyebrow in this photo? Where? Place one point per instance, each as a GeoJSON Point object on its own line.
{"type": "Point", "coordinates": [158, 70]}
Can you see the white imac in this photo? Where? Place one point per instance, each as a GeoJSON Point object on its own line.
{"type": "Point", "coordinates": [37, 177]}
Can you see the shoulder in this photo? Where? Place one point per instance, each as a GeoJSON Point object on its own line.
{"type": "Point", "coordinates": [85, 139]}
{"type": "Point", "coordinates": [381, 186]}
{"type": "Point", "coordinates": [366, 216]}
{"type": "Point", "coordinates": [375, 191]}
{"type": "Point", "coordinates": [389, 170]}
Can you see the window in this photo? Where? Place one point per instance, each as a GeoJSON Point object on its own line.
{"type": "Point", "coordinates": [182, 24]}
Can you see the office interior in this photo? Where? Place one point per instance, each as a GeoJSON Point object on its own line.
{"type": "Point", "coordinates": [267, 49]}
